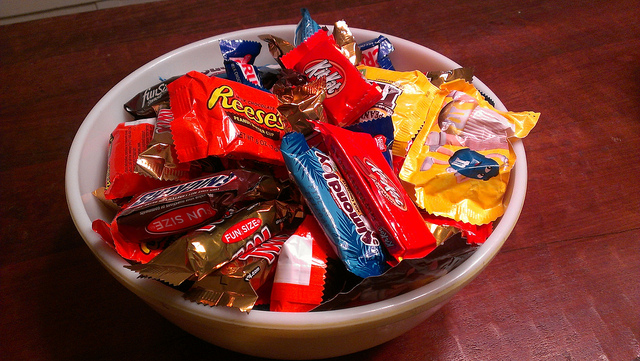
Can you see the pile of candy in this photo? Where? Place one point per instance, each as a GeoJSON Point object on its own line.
{"type": "Point", "coordinates": [325, 181]}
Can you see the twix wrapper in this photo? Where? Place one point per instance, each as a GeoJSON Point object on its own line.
{"type": "Point", "coordinates": [208, 248]}
{"type": "Point", "coordinates": [236, 283]}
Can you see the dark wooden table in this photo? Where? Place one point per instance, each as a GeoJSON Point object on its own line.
{"type": "Point", "coordinates": [566, 286]}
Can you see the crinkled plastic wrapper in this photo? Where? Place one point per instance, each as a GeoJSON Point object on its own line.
{"type": "Point", "coordinates": [406, 276]}
{"type": "Point", "coordinates": [406, 97]}
{"type": "Point", "coordinates": [461, 160]}
{"type": "Point", "coordinates": [236, 284]}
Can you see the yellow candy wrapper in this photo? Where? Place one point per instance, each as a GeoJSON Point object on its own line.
{"type": "Point", "coordinates": [407, 97]}
{"type": "Point", "coordinates": [460, 162]}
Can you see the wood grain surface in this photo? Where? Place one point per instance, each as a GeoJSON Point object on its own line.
{"type": "Point", "coordinates": [564, 287]}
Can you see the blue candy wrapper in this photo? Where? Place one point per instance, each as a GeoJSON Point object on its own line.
{"type": "Point", "coordinates": [306, 27]}
{"type": "Point", "coordinates": [376, 52]}
{"type": "Point", "coordinates": [381, 129]}
{"type": "Point", "coordinates": [239, 57]}
{"type": "Point", "coordinates": [334, 206]}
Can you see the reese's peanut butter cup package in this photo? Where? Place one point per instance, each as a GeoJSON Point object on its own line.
{"type": "Point", "coordinates": [219, 117]}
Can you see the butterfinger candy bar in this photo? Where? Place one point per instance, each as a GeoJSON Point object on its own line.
{"type": "Point", "coordinates": [219, 117]}
{"type": "Point", "coordinates": [186, 206]}
{"type": "Point", "coordinates": [208, 248]}
{"type": "Point", "coordinates": [334, 206]}
{"type": "Point", "coordinates": [349, 95]}
{"type": "Point", "coordinates": [236, 283]}
{"type": "Point", "coordinates": [383, 199]}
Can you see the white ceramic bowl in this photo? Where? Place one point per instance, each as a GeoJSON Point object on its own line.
{"type": "Point", "coordinates": [263, 333]}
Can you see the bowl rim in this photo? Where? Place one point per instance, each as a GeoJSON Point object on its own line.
{"type": "Point", "coordinates": [155, 292]}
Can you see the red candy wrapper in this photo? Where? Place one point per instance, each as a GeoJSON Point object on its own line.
{"type": "Point", "coordinates": [383, 199]}
{"type": "Point", "coordinates": [299, 282]}
{"type": "Point", "coordinates": [127, 141]}
{"type": "Point", "coordinates": [142, 252]}
{"type": "Point", "coordinates": [349, 95]}
{"type": "Point", "coordinates": [219, 117]}
{"type": "Point", "coordinates": [474, 234]}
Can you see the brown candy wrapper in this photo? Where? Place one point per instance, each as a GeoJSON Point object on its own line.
{"type": "Point", "coordinates": [301, 103]}
{"type": "Point", "coordinates": [442, 232]}
{"type": "Point", "coordinates": [208, 248]}
{"type": "Point", "coordinates": [346, 42]}
{"type": "Point", "coordinates": [277, 46]}
{"type": "Point", "coordinates": [146, 103]}
{"type": "Point", "coordinates": [109, 203]}
{"type": "Point", "coordinates": [159, 160]}
{"type": "Point", "coordinates": [236, 283]}
{"type": "Point", "coordinates": [438, 78]}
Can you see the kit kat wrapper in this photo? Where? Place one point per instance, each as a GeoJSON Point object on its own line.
{"type": "Point", "coordinates": [208, 248]}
